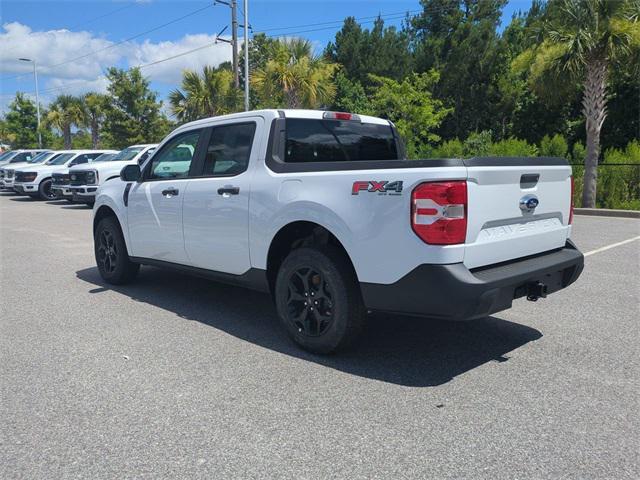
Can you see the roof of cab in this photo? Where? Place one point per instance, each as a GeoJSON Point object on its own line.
{"type": "Point", "coordinates": [275, 113]}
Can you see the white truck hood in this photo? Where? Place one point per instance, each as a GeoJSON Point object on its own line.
{"type": "Point", "coordinates": [106, 170]}
{"type": "Point", "coordinates": [44, 169]}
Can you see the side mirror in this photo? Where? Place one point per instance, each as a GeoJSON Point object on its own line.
{"type": "Point", "coordinates": [130, 173]}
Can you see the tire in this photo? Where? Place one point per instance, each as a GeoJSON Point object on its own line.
{"type": "Point", "coordinates": [318, 299]}
{"type": "Point", "coordinates": [45, 192]}
{"type": "Point", "coordinates": [111, 253]}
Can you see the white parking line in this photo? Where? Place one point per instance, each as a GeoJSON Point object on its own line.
{"type": "Point", "coordinates": [613, 245]}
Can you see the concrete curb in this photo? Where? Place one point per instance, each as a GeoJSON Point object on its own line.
{"type": "Point", "coordinates": [605, 212]}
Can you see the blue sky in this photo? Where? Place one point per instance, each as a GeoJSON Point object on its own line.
{"type": "Point", "coordinates": [56, 33]}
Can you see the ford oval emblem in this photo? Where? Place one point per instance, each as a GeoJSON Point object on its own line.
{"type": "Point", "coordinates": [528, 203]}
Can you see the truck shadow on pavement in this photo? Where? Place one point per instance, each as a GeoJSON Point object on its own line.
{"type": "Point", "coordinates": [399, 350]}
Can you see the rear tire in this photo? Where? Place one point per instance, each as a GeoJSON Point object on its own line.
{"type": "Point", "coordinates": [45, 192]}
{"type": "Point", "coordinates": [111, 254]}
{"type": "Point", "coordinates": [318, 299]}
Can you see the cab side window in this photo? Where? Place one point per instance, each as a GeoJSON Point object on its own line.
{"type": "Point", "coordinates": [174, 160]}
{"type": "Point", "coordinates": [229, 149]}
{"type": "Point", "coordinates": [92, 156]}
{"type": "Point", "coordinates": [80, 159]}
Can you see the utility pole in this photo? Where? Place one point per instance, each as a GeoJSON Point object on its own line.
{"type": "Point", "coordinates": [234, 42]}
{"type": "Point", "coordinates": [35, 76]}
{"type": "Point", "coordinates": [246, 55]}
{"type": "Point", "coordinates": [233, 4]}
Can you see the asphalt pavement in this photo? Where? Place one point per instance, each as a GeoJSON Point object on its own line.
{"type": "Point", "coordinates": [179, 377]}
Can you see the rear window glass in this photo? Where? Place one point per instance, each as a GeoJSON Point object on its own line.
{"type": "Point", "coordinates": [338, 141]}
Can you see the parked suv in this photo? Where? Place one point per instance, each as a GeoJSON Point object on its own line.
{"type": "Point", "coordinates": [7, 173]}
{"type": "Point", "coordinates": [36, 180]}
{"type": "Point", "coordinates": [60, 180]}
{"type": "Point", "coordinates": [322, 210]}
{"type": "Point", "coordinates": [84, 180]}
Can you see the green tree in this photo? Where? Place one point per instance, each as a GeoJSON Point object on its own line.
{"type": "Point", "coordinates": [294, 77]}
{"type": "Point", "coordinates": [410, 105]}
{"type": "Point", "coordinates": [6, 136]}
{"type": "Point", "coordinates": [133, 115]}
{"type": "Point", "coordinates": [350, 95]}
{"type": "Point", "coordinates": [65, 112]}
{"type": "Point", "coordinates": [459, 39]}
{"type": "Point", "coordinates": [581, 41]}
{"type": "Point", "coordinates": [206, 95]}
{"type": "Point", "coordinates": [93, 111]}
{"type": "Point", "coordinates": [21, 122]}
{"type": "Point", "coordinates": [380, 51]}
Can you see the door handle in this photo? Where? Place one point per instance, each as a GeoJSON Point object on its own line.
{"type": "Point", "coordinates": [170, 192]}
{"type": "Point", "coordinates": [229, 191]}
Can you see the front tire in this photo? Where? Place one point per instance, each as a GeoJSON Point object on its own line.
{"type": "Point", "coordinates": [111, 254]}
{"type": "Point", "coordinates": [318, 299]}
{"type": "Point", "coordinates": [45, 192]}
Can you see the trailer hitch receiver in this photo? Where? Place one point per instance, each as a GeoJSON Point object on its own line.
{"type": "Point", "coordinates": [536, 290]}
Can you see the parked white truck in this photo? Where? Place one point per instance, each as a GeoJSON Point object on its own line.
{"type": "Point", "coordinates": [322, 210]}
{"type": "Point", "coordinates": [60, 180]}
{"type": "Point", "coordinates": [36, 181]}
{"type": "Point", "coordinates": [7, 172]}
{"type": "Point", "coordinates": [84, 180]}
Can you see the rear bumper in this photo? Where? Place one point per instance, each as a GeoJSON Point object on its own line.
{"type": "Point", "coordinates": [454, 292]}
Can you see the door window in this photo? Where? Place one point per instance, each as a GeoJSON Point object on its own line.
{"type": "Point", "coordinates": [80, 159]}
{"type": "Point", "coordinates": [174, 160]}
{"type": "Point", "coordinates": [229, 149]}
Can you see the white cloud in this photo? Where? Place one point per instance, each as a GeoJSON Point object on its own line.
{"type": "Point", "coordinates": [55, 47]}
{"type": "Point", "coordinates": [171, 71]}
{"type": "Point", "coordinates": [59, 71]}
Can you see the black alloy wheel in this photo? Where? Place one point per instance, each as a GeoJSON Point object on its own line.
{"type": "Point", "coordinates": [107, 254]}
{"type": "Point", "coordinates": [310, 302]}
{"type": "Point", "coordinates": [46, 193]}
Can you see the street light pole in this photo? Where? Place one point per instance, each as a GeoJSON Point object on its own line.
{"type": "Point", "coordinates": [246, 55]}
{"type": "Point", "coordinates": [35, 76]}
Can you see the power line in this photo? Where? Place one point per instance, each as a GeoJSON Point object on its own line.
{"type": "Point", "coordinates": [99, 17]}
{"type": "Point", "coordinates": [358, 19]}
{"type": "Point", "coordinates": [113, 45]}
{"type": "Point", "coordinates": [361, 20]}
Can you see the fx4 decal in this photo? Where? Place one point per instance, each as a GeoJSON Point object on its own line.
{"type": "Point", "coordinates": [382, 188]}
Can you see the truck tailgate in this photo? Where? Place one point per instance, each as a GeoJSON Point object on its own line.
{"type": "Point", "coordinates": [515, 210]}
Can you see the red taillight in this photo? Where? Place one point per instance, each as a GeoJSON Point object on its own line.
{"type": "Point", "coordinates": [571, 208]}
{"type": "Point", "coordinates": [340, 116]}
{"type": "Point", "coordinates": [439, 212]}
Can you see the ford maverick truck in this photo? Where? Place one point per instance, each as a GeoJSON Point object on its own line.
{"type": "Point", "coordinates": [323, 210]}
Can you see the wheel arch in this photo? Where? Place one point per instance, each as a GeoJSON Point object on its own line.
{"type": "Point", "coordinates": [296, 234]}
{"type": "Point", "coordinates": [105, 211]}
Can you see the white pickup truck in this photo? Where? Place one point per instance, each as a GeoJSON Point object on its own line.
{"type": "Point", "coordinates": [7, 172]}
{"type": "Point", "coordinates": [84, 180]}
{"type": "Point", "coordinates": [37, 180]}
{"type": "Point", "coordinates": [322, 210]}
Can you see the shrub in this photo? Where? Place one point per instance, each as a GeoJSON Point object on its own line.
{"type": "Point", "coordinates": [512, 147]}
{"type": "Point", "coordinates": [555, 146]}
{"type": "Point", "coordinates": [449, 149]}
{"type": "Point", "coordinates": [477, 144]}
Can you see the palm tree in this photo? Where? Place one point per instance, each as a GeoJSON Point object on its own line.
{"type": "Point", "coordinates": [93, 111]}
{"type": "Point", "coordinates": [206, 95]}
{"type": "Point", "coordinates": [64, 112]}
{"type": "Point", "coordinates": [581, 42]}
{"type": "Point", "coordinates": [294, 77]}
